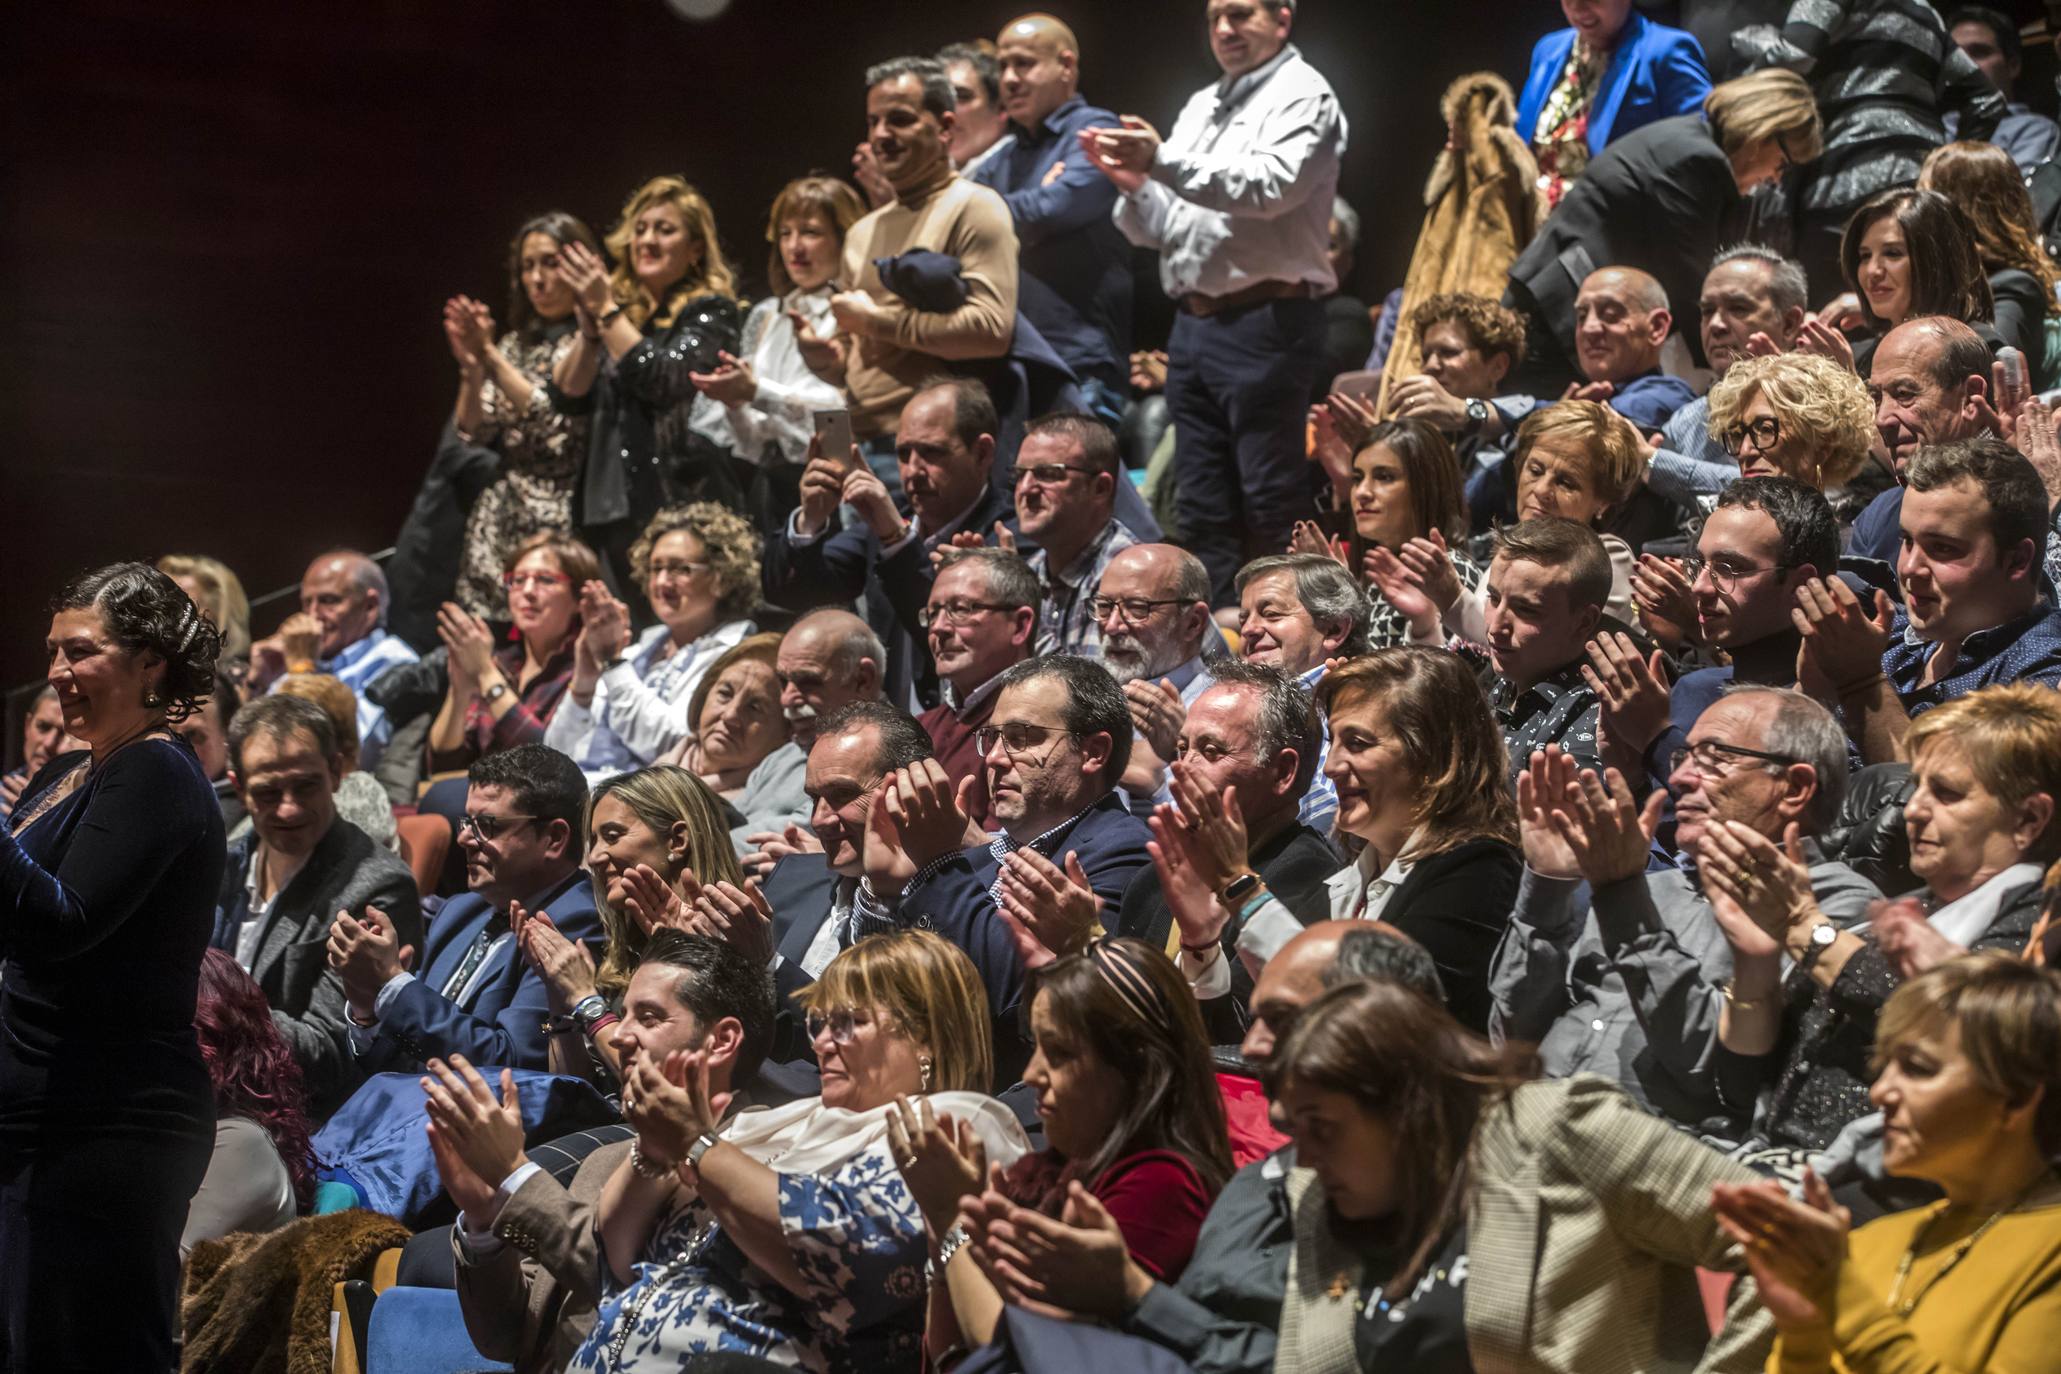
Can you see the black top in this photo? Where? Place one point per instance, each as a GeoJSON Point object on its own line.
{"type": "Point", "coordinates": [1423, 1330]}
{"type": "Point", "coordinates": [106, 902]}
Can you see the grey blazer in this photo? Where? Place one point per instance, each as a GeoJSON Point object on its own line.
{"type": "Point", "coordinates": [347, 872]}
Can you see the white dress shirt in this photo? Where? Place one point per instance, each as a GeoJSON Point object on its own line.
{"type": "Point", "coordinates": [639, 711]}
{"type": "Point", "coordinates": [782, 412]}
{"type": "Point", "coordinates": [1240, 192]}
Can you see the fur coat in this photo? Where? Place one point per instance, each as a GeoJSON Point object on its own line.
{"type": "Point", "coordinates": [261, 1301]}
{"type": "Point", "coordinates": [1481, 207]}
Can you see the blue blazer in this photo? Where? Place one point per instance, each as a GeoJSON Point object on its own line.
{"type": "Point", "coordinates": [505, 1027]}
{"type": "Point", "coordinates": [1655, 72]}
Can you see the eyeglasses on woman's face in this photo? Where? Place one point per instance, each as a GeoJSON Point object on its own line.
{"type": "Point", "coordinates": [843, 1023]}
{"type": "Point", "coordinates": [534, 577]}
{"type": "Point", "coordinates": [1761, 435]}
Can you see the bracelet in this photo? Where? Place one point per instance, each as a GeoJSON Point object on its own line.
{"type": "Point", "coordinates": [600, 1024]}
{"type": "Point", "coordinates": [1199, 950]}
{"type": "Point", "coordinates": [644, 1166]}
{"type": "Point", "coordinates": [954, 1241]}
{"type": "Point", "coordinates": [608, 316]}
{"type": "Point", "coordinates": [1738, 1003]}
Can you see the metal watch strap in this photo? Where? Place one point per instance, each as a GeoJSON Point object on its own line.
{"type": "Point", "coordinates": [703, 1143]}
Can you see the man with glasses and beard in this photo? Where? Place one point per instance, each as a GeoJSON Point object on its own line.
{"type": "Point", "coordinates": [523, 837]}
{"type": "Point", "coordinates": [1153, 613]}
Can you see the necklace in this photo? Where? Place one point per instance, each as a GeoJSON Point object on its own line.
{"type": "Point", "coordinates": [1960, 1252]}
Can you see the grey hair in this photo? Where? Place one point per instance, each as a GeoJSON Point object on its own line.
{"type": "Point", "coordinates": [929, 73]}
{"type": "Point", "coordinates": [1368, 951]}
{"type": "Point", "coordinates": [1348, 220]}
{"type": "Point", "coordinates": [1325, 589]}
{"type": "Point", "coordinates": [1802, 729]}
{"type": "Point", "coordinates": [1787, 288]}
{"type": "Point", "coordinates": [1287, 717]}
{"type": "Point", "coordinates": [849, 645]}
{"type": "Point", "coordinates": [1007, 579]}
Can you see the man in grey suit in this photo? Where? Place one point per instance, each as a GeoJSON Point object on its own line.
{"type": "Point", "coordinates": [286, 881]}
{"type": "Point", "coordinates": [527, 1260]}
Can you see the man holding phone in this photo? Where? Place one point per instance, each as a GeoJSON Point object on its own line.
{"type": "Point", "coordinates": [944, 450]}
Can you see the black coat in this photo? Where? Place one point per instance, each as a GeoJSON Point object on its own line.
{"type": "Point", "coordinates": [1662, 199]}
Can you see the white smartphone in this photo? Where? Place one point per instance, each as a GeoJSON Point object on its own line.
{"type": "Point", "coordinates": [834, 428]}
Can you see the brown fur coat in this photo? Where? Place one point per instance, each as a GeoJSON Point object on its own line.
{"type": "Point", "coordinates": [1481, 208]}
{"type": "Point", "coordinates": [260, 1301]}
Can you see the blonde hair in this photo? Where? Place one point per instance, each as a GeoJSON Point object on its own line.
{"type": "Point", "coordinates": [931, 989]}
{"type": "Point", "coordinates": [2011, 737]}
{"type": "Point", "coordinates": [1772, 104]}
{"type": "Point", "coordinates": [2009, 1015]}
{"type": "Point", "coordinates": [1611, 442]}
{"type": "Point", "coordinates": [1812, 396]}
{"type": "Point", "coordinates": [710, 276]}
{"type": "Point", "coordinates": [226, 603]}
{"type": "Point", "coordinates": [728, 541]}
{"type": "Point", "coordinates": [661, 797]}
{"type": "Point", "coordinates": [337, 701]}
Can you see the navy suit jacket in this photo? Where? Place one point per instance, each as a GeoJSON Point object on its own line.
{"type": "Point", "coordinates": [952, 899]}
{"type": "Point", "coordinates": [799, 890]}
{"type": "Point", "coordinates": [1655, 72]}
{"type": "Point", "coordinates": [505, 1025]}
{"type": "Point", "coordinates": [844, 564]}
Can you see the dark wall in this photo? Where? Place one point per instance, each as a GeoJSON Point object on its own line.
{"type": "Point", "coordinates": [230, 227]}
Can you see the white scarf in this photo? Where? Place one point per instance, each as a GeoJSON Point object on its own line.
{"type": "Point", "coordinates": [1967, 919]}
{"type": "Point", "coordinates": [807, 1137]}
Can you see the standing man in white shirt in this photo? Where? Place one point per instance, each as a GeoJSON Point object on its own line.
{"type": "Point", "coordinates": [1237, 202]}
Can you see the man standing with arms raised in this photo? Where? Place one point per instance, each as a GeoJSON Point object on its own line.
{"type": "Point", "coordinates": [1237, 202]}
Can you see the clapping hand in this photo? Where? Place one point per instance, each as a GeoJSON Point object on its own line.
{"type": "Point", "coordinates": [1075, 1263]}
{"type": "Point", "coordinates": [1400, 589]}
{"type": "Point", "coordinates": [1666, 600]}
{"type": "Point", "coordinates": [587, 275]}
{"type": "Point", "coordinates": [1158, 713]}
{"type": "Point", "coordinates": [471, 646]}
{"type": "Point", "coordinates": [476, 1138]}
{"type": "Point", "coordinates": [1125, 154]}
{"type": "Point", "coordinates": [1634, 697]}
{"type": "Point", "coordinates": [1793, 1249]}
{"type": "Point", "coordinates": [1599, 392]}
{"type": "Point", "coordinates": [1608, 831]}
{"type": "Point", "coordinates": [1050, 911]}
{"type": "Point", "coordinates": [941, 1158]}
{"type": "Point", "coordinates": [1825, 340]}
{"type": "Point", "coordinates": [1543, 789]}
{"type": "Point", "coordinates": [740, 917]}
{"type": "Point", "coordinates": [463, 332]}
{"type": "Point", "coordinates": [1908, 940]}
{"type": "Point", "coordinates": [652, 904]}
{"type": "Point", "coordinates": [366, 955]}
{"type": "Point", "coordinates": [1197, 913]}
{"type": "Point", "coordinates": [734, 382]}
{"type": "Point", "coordinates": [822, 354]}
{"type": "Point", "coordinates": [770, 847]}
{"type": "Point", "coordinates": [1429, 561]}
{"type": "Point", "coordinates": [1842, 643]}
{"type": "Point", "coordinates": [669, 1104]}
{"type": "Point", "coordinates": [1309, 537]}
{"type": "Point", "coordinates": [1328, 447]}
{"type": "Point", "coordinates": [2035, 440]}
{"type": "Point", "coordinates": [1757, 892]}
{"type": "Point", "coordinates": [1423, 397]}
{"type": "Point", "coordinates": [566, 966]}
{"type": "Point", "coordinates": [927, 812]}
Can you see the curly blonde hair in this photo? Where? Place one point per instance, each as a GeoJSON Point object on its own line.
{"type": "Point", "coordinates": [710, 276]}
{"type": "Point", "coordinates": [1811, 396]}
{"type": "Point", "coordinates": [728, 541]}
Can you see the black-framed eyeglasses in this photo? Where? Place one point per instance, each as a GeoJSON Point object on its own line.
{"type": "Point", "coordinates": [1137, 609]}
{"type": "Point", "coordinates": [1759, 434]}
{"type": "Point", "coordinates": [1725, 576]}
{"type": "Point", "coordinates": [1051, 474]}
{"type": "Point", "coordinates": [956, 612]}
{"type": "Point", "coordinates": [533, 578]}
{"type": "Point", "coordinates": [842, 1022]}
{"type": "Point", "coordinates": [485, 826]}
{"type": "Point", "coordinates": [1016, 738]}
{"type": "Point", "coordinates": [1711, 757]}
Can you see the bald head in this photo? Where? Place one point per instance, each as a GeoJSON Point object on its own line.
{"type": "Point", "coordinates": [829, 659]}
{"type": "Point", "coordinates": [1930, 377]}
{"type": "Point", "coordinates": [1621, 319]}
{"type": "Point", "coordinates": [1040, 62]}
{"type": "Point", "coordinates": [1169, 589]}
{"type": "Point", "coordinates": [1322, 956]}
{"type": "Point", "coordinates": [346, 594]}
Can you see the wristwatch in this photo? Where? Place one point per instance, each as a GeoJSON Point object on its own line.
{"type": "Point", "coordinates": [703, 1143]}
{"type": "Point", "coordinates": [1821, 937]}
{"type": "Point", "coordinates": [1477, 417]}
{"type": "Point", "coordinates": [1238, 889]}
{"type": "Point", "coordinates": [495, 693]}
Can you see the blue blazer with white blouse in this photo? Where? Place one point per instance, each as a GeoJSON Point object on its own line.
{"type": "Point", "coordinates": [1655, 72]}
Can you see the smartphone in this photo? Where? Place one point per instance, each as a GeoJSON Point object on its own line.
{"type": "Point", "coordinates": [834, 428]}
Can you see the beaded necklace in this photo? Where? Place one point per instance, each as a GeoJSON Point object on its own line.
{"type": "Point", "coordinates": [1903, 1266]}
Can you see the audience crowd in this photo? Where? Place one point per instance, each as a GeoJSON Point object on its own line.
{"type": "Point", "coordinates": [902, 824]}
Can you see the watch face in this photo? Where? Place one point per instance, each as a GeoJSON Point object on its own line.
{"type": "Point", "coordinates": [1824, 935]}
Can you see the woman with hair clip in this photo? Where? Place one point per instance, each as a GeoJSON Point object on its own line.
{"type": "Point", "coordinates": [667, 311]}
{"type": "Point", "coordinates": [109, 869]}
{"type": "Point", "coordinates": [1906, 253]}
{"type": "Point", "coordinates": [218, 591]}
{"type": "Point", "coordinates": [1984, 182]}
{"type": "Point", "coordinates": [262, 1172]}
{"type": "Point", "coordinates": [1449, 1213]}
{"type": "Point", "coordinates": [1408, 520]}
{"type": "Point", "coordinates": [503, 404]}
{"type": "Point", "coordinates": [1133, 1120]}
{"type": "Point", "coordinates": [787, 1233]}
{"type": "Point", "coordinates": [655, 839]}
{"type": "Point", "coordinates": [1423, 792]}
{"type": "Point", "coordinates": [1969, 1085]}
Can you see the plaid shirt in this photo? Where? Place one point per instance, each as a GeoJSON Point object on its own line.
{"type": "Point", "coordinates": [1066, 624]}
{"type": "Point", "coordinates": [2027, 649]}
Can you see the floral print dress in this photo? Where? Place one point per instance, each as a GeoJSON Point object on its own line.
{"type": "Point", "coordinates": [541, 450]}
{"type": "Point", "coordinates": [859, 1244]}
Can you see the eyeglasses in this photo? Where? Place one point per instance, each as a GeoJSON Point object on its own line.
{"type": "Point", "coordinates": [956, 612]}
{"type": "Point", "coordinates": [1713, 759]}
{"type": "Point", "coordinates": [1209, 751]}
{"type": "Point", "coordinates": [1050, 474]}
{"type": "Point", "coordinates": [1137, 610]}
{"type": "Point", "coordinates": [658, 570]}
{"type": "Point", "coordinates": [1724, 576]}
{"type": "Point", "coordinates": [843, 1024]}
{"type": "Point", "coordinates": [542, 580]}
{"type": "Point", "coordinates": [1016, 738]}
{"type": "Point", "coordinates": [1759, 435]}
{"type": "Point", "coordinates": [485, 826]}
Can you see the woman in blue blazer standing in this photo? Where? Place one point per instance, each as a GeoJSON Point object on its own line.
{"type": "Point", "coordinates": [1611, 71]}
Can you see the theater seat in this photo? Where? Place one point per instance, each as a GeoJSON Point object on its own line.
{"type": "Point", "coordinates": [425, 844]}
{"type": "Point", "coordinates": [1868, 836]}
{"type": "Point", "coordinates": [421, 1331]}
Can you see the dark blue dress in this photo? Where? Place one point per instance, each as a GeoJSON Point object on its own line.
{"type": "Point", "coordinates": [107, 1116]}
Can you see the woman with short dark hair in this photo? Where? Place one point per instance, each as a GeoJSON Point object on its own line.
{"type": "Point", "coordinates": [109, 870]}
